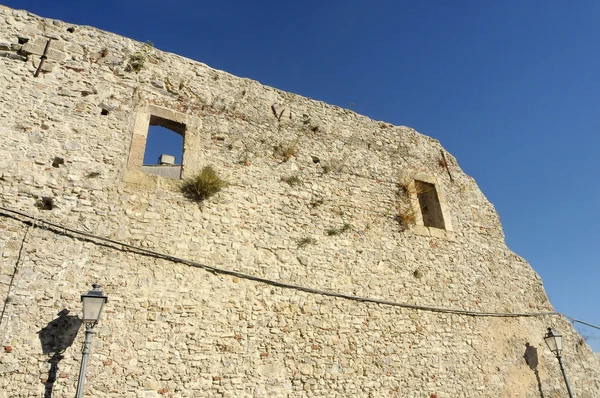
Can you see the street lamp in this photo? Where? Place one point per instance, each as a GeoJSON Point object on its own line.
{"type": "Point", "coordinates": [93, 302]}
{"type": "Point", "coordinates": [554, 342]}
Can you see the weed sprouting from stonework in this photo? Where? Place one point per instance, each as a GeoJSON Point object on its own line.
{"type": "Point", "coordinates": [404, 186]}
{"type": "Point", "coordinates": [420, 187]}
{"type": "Point", "coordinates": [286, 151]}
{"type": "Point", "coordinates": [409, 187]}
{"type": "Point", "coordinates": [405, 218]}
{"type": "Point", "coordinates": [338, 231]}
{"type": "Point", "coordinates": [93, 174]}
{"type": "Point", "coordinates": [204, 185]}
{"type": "Point", "coordinates": [291, 180]}
{"type": "Point", "coordinates": [305, 242]}
{"type": "Point", "coordinates": [310, 124]}
{"type": "Point", "coordinates": [316, 202]}
{"type": "Point", "coordinates": [135, 62]}
{"type": "Point", "coordinates": [245, 159]}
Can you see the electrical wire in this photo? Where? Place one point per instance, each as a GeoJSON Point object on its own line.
{"type": "Point", "coordinates": [57, 228]}
{"type": "Point", "coordinates": [15, 272]}
{"type": "Point", "coordinates": [573, 320]}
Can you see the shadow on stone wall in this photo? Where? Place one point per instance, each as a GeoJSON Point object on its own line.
{"type": "Point", "coordinates": [56, 337]}
{"type": "Point", "coordinates": [531, 358]}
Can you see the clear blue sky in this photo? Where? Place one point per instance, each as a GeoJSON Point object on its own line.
{"type": "Point", "coordinates": [511, 88]}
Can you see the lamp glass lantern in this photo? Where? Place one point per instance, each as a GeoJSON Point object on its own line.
{"type": "Point", "coordinates": [554, 341]}
{"type": "Point", "coordinates": [93, 303]}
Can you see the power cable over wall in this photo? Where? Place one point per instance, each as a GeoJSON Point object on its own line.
{"type": "Point", "coordinates": [14, 273]}
{"type": "Point", "coordinates": [96, 239]}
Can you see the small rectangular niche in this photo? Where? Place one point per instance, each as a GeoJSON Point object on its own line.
{"type": "Point", "coordinates": [429, 202]}
{"type": "Point", "coordinates": [164, 141]}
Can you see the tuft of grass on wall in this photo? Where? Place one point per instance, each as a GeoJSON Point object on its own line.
{"type": "Point", "coordinates": [406, 218]}
{"type": "Point", "coordinates": [412, 187]}
{"type": "Point", "coordinates": [287, 150]}
{"type": "Point", "coordinates": [421, 188]}
{"type": "Point", "coordinates": [203, 185]}
{"type": "Point", "coordinates": [93, 174]}
{"type": "Point", "coordinates": [305, 242]}
{"type": "Point", "coordinates": [404, 186]}
{"type": "Point", "coordinates": [291, 180]}
{"type": "Point", "coordinates": [338, 231]}
{"type": "Point", "coordinates": [135, 62]}
{"type": "Point", "coordinates": [316, 202]}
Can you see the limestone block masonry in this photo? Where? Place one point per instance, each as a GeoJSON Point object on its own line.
{"type": "Point", "coordinates": [372, 210]}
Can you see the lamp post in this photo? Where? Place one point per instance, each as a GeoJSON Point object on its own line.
{"type": "Point", "coordinates": [554, 342]}
{"type": "Point", "coordinates": [93, 302]}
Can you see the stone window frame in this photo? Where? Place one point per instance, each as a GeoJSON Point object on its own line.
{"type": "Point", "coordinates": [137, 148]}
{"type": "Point", "coordinates": [420, 228]}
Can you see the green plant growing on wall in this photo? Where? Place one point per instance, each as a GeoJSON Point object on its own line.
{"type": "Point", "coordinates": [410, 187]}
{"type": "Point", "coordinates": [246, 158]}
{"type": "Point", "coordinates": [309, 123]}
{"type": "Point", "coordinates": [135, 62]}
{"type": "Point", "coordinates": [405, 186]}
{"type": "Point", "coordinates": [420, 187]}
{"type": "Point", "coordinates": [338, 231]}
{"type": "Point", "coordinates": [203, 185]}
{"type": "Point", "coordinates": [291, 180]}
{"type": "Point", "coordinates": [286, 150]}
{"type": "Point", "coordinates": [305, 242]}
{"type": "Point", "coordinates": [405, 217]}
{"type": "Point", "coordinates": [316, 202]}
{"type": "Point", "coordinates": [93, 174]}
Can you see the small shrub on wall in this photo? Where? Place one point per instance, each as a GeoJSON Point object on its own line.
{"type": "Point", "coordinates": [203, 185]}
{"type": "Point", "coordinates": [405, 217]}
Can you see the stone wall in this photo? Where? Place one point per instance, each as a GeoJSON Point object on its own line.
{"type": "Point", "coordinates": [72, 143]}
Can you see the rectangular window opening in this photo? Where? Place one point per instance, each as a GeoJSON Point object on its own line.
{"type": "Point", "coordinates": [163, 154]}
{"type": "Point", "coordinates": [429, 203]}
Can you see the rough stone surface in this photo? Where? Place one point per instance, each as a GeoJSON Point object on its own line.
{"type": "Point", "coordinates": [172, 329]}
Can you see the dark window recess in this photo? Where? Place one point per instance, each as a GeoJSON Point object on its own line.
{"type": "Point", "coordinates": [104, 112]}
{"type": "Point", "coordinates": [163, 154]}
{"type": "Point", "coordinates": [430, 205]}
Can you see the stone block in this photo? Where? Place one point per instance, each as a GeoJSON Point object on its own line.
{"type": "Point", "coordinates": [420, 230]}
{"type": "Point", "coordinates": [37, 48]}
{"type": "Point", "coordinates": [437, 232]}
{"type": "Point", "coordinates": [167, 159]}
{"type": "Point", "coordinates": [12, 55]}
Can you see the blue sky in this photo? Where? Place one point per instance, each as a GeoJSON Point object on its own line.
{"type": "Point", "coordinates": [511, 88]}
{"type": "Point", "coordinates": [162, 140]}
